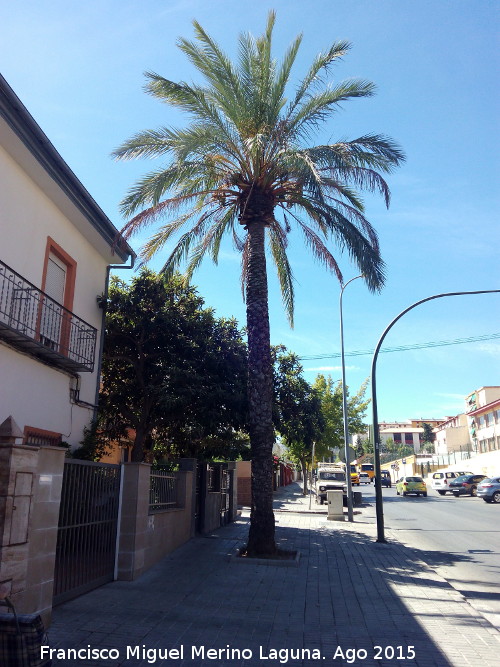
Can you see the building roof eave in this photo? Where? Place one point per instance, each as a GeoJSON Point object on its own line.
{"type": "Point", "coordinates": [21, 124]}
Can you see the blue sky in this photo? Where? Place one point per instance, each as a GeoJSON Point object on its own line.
{"type": "Point", "coordinates": [78, 68]}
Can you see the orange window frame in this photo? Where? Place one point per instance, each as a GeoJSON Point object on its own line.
{"type": "Point", "coordinates": [69, 288]}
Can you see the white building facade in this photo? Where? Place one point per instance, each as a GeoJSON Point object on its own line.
{"type": "Point", "coordinates": [453, 436]}
{"type": "Point", "coordinates": [483, 412]}
{"type": "Point", "coordinates": [55, 252]}
{"type": "Point", "coordinates": [402, 433]}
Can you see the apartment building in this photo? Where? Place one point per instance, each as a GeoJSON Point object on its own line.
{"type": "Point", "coordinates": [483, 413]}
{"type": "Point", "coordinates": [453, 435]}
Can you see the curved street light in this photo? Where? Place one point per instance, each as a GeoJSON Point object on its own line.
{"type": "Point", "coordinates": [376, 431]}
{"type": "Point", "coordinates": [350, 513]}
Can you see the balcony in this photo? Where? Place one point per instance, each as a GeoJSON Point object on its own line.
{"type": "Point", "coordinates": [33, 322]}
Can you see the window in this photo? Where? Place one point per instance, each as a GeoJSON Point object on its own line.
{"type": "Point", "coordinates": [58, 283]}
{"type": "Point", "coordinates": [397, 437]}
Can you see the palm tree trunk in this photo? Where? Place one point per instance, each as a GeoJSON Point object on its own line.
{"type": "Point", "coordinates": [260, 397]}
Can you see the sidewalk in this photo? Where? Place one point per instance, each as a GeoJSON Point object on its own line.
{"type": "Point", "coordinates": [349, 601]}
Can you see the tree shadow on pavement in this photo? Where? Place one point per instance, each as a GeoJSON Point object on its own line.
{"type": "Point", "coordinates": [350, 601]}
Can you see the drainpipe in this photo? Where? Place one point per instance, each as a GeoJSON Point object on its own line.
{"type": "Point", "coordinates": [103, 327]}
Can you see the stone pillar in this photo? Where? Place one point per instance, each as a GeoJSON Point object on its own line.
{"type": "Point", "coordinates": [30, 492]}
{"type": "Point", "coordinates": [134, 520]}
{"type": "Point", "coordinates": [43, 532]}
{"type": "Point", "coordinates": [231, 466]}
{"type": "Point", "coordinates": [18, 465]}
{"type": "Point", "coordinates": [191, 465]}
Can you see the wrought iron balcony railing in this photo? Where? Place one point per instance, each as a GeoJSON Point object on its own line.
{"type": "Point", "coordinates": [33, 322]}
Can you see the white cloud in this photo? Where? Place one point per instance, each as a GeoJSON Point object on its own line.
{"type": "Point", "coordinates": [490, 348]}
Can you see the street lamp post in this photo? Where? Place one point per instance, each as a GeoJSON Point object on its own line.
{"type": "Point", "coordinates": [375, 430]}
{"type": "Point", "coordinates": [350, 513]}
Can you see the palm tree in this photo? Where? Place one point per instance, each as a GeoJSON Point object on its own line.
{"type": "Point", "coordinates": [242, 168]}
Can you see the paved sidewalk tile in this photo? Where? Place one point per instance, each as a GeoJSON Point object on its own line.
{"type": "Point", "coordinates": [350, 601]}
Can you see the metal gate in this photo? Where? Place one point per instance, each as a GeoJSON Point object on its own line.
{"type": "Point", "coordinates": [225, 492]}
{"type": "Point", "coordinates": [88, 519]}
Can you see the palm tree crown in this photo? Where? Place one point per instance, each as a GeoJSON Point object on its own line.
{"type": "Point", "coordinates": [242, 168]}
{"type": "Point", "coordinates": [243, 159]}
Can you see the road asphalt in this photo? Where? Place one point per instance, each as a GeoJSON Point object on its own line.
{"type": "Point", "coordinates": [347, 600]}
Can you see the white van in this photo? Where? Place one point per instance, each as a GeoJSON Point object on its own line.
{"type": "Point", "coordinates": [440, 480]}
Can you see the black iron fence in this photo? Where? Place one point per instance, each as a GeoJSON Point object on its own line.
{"type": "Point", "coordinates": [88, 517]}
{"type": "Point", "coordinates": [163, 492]}
{"type": "Point", "coordinates": [32, 321]}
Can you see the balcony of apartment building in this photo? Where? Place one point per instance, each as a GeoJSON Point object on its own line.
{"type": "Point", "coordinates": [32, 322]}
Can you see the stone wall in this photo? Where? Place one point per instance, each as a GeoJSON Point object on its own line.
{"type": "Point", "coordinates": [244, 473]}
{"type": "Point", "coordinates": [30, 493]}
{"type": "Point", "coordinates": [147, 538]}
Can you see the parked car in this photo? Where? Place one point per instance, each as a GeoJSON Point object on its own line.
{"type": "Point", "coordinates": [414, 484]}
{"type": "Point", "coordinates": [465, 485]}
{"type": "Point", "coordinates": [489, 489]}
{"type": "Point", "coordinates": [441, 480]}
{"type": "Point", "coordinates": [365, 478]}
{"type": "Point", "coordinates": [330, 477]}
{"type": "Point", "coordinates": [385, 478]}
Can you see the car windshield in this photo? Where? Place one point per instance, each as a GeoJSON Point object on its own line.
{"type": "Point", "coordinates": [331, 475]}
{"type": "Point", "coordinates": [462, 478]}
{"type": "Point", "coordinates": [414, 479]}
{"type": "Point", "coordinates": [438, 475]}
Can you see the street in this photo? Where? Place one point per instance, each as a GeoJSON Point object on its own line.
{"type": "Point", "coordinates": [458, 537]}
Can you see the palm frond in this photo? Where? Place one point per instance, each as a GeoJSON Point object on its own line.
{"type": "Point", "coordinates": [320, 63]}
{"type": "Point", "coordinates": [210, 241]}
{"type": "Point", "coordinates": [147, 144]}
{"type": "Point", "coordinates": [364, 178]}
{"type": "Point", "coordinates": [283, 75]}
{"type": "Point", "coordinates": [375, 151]}
{"type": "Point", "coordinates": [319, 249]}
{"type": "Point", "coordinates": [158, 240]}
{"type": "Point", "coordinates": [181, 251]}
{"type": "Point", "coordinates": [238, 242]}
{"type": "Point", "coordinates": [210, 60]}
{"type": "Point", "coordinates": [317, 108]}
{"type": "Point", "coordinates": [278, 245]}
{"type": "Point", "coordinates": [152, 214]}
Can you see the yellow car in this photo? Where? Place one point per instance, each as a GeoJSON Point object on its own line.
{"type": "Point", "coordinates": [355, 478]}
{"type": "Point", "coordinates": [407, 485]}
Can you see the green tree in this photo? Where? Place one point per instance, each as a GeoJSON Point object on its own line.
{"type": "Point", "coordinates": [428, 437]}
{"type": "Point", "coordinates": [298, 416]}
{"type": "Point", "coordinates": [330, 394]}
{"type": "Point", "coordinates": [363, 447]}
{"type": "Point", "coordinates": [243, 168]}
{"type": "Point", "coordinates": [172, 372]}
